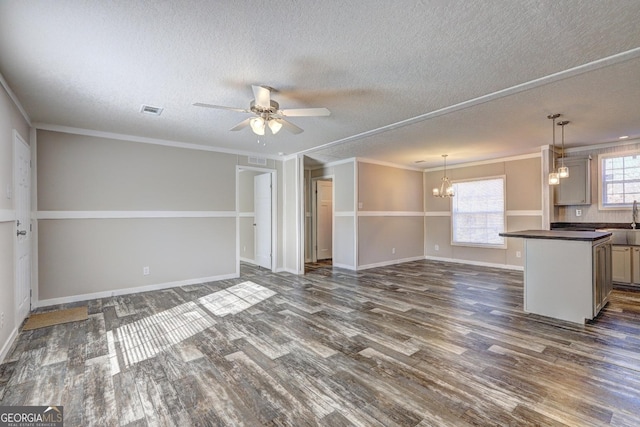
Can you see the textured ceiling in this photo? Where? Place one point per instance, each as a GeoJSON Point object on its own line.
{"type": "Point", "coordinates": [404, 80]}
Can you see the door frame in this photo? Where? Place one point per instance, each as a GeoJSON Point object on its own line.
{"type": "Point", "coordinates": [314, 214]}
{"type": "Point", "coordinates": [274, 212]}
{"type": "Point", "coordinates": [19, 317]}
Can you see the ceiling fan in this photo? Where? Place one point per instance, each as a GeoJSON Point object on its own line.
{"type": "Point", "coordinates": [267, 113]}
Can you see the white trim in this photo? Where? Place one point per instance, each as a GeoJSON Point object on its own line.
{"type": "Point", "coordinates": [390, 262]}
{"type": "Point", "coordinates": [7, 345]}
{"type": "Point", "coordinates": [599, 176]}
{"type": "Point", "coordinates": [437, 213]}
{"type": "Point", "coordinates": [246, 214]}
{"type": "Point", "coordinates": [345, 266]}
{"type": "Point", "coordinates": [391, 213]}
{"type": "Point", "coordinates": [524, 213]}
{"type": "Point", "coordinates": [486, 162]}
{"type": "Point", "coordinates": [478, 263]}
{"type": "Point", "coordinates": [145, 140]}
{"type": "Point", "coordinates": [388, 164]}
{"type": "Point", "coordinates": [126, 291]}
{"type": "Point", "coordinates": [7, 215]}
{"type": "Point", "coordinates": [15, 100]}
{"type": "Point", "coordinates": [248, 261]}
{"type": "Point", "coordinates": [344, 213]}
{"type": "Point", "coordinates": [133, 214]}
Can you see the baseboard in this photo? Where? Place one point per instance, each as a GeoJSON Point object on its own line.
{"type": "Point", "coordinates": [247, 260]}
{"type": "Point", "coordinates": [7, 345]}
{"type": "Point", "coordinates": [125, 291]}
{"type": "Point", "coordinates": [345, 266]}
{"type": "Point", "coordinates": [390, 262]}
{"type": "Point", "coordinates": [478, 263]}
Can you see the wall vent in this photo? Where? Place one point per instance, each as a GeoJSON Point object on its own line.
{"type": "Point", "coordinates": [148, 109]}
{"type": "Point", "coordinates": [261, 161]}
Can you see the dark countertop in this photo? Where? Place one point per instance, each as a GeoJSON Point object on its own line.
{"type": "Point", "coordinates": [585, 236]}
{"type": "Point", "coordinates": [589, 226]}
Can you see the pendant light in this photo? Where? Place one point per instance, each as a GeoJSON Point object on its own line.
{"type": "Point", "coordinates": [446, 189]}
{"type": "Point", "coordinates": [563, 171]}
{"type": "Point", "coordinates": [554, 177]}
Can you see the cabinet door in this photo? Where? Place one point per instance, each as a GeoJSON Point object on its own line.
{"type": "Point", "coordinates": [635, 265]}
{"type": "Point", "coordinates": [621, 264]}
{"type": "Point", "coordinates": [576, 189]}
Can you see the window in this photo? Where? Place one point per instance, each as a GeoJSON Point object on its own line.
{"type": "Point", "coordinates": [620, 180]}
{"type": "Point", "coordinates": [478, 212]}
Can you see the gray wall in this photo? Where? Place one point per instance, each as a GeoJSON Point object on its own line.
{"type": "Point", "coordinates": [91, 176]}
{"type": "Point", "coordinates": [591, 213]}
{"type": "Point", "coordinates": [10, 119]}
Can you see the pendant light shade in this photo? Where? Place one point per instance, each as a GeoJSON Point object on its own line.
{"type": "Point", "coordinates": [446, 189]}
{"type": "Point", "coordinates": [554, 176]}
{"type": "Point", "coordinates": [563, 171]}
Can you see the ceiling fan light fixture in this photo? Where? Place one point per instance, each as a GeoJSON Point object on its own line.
{"type": "Point", "coordinates": [275, 125]}
{"type": "Point", "coordinates": [257, 125]}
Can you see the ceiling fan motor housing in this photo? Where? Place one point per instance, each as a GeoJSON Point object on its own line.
{"type": "Point", "coordinates": [259, 109]}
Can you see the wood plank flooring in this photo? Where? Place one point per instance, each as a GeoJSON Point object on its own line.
{"type": "Point", "coordinates": [417, 344]}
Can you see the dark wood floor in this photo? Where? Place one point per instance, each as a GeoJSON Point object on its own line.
{"type": "Point", "coordinates": [417, 344]}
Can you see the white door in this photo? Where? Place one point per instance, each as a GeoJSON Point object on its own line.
{"type": "Point", "coordinates": [22, 200]}
{"type": "Point", "coordinates": [324, 206]}
{"type": "Point", "coordinates": [262, 219]}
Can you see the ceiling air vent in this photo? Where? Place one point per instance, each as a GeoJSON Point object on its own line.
{"type": "Point", "coordinates": [148, 109]}
{"type": "Point", "coordinates": [261, 161]}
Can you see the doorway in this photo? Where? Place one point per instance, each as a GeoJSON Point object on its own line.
{"type": "Point", "coordinates": [257, 217]}
{"type": "Point", "coordinates": [22, 203]}
{"type": "Point", "coordinates": [262, 219]}
{"type": "Point", "coordinates": [322, 221]}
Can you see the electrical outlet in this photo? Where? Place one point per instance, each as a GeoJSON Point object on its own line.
{"type": "Point", "coordinates": [9, 191]}
{"type": "Point", "coordinates": [578, 212]}
{"type": "Point", "coordinates": [244, 249]}
{"type": "Point", "coordinates": [360, 205]}
{"type": "Point", "coordinates": [145, 271]}
{"type": "Point", "coordinates": [437, 247]}
{"type": "Point", "coordinates": [393, 250]}
{"type": "Point", "coordinates": [2, 320]}
{"type": "Point", "coordinates": [518, 254]}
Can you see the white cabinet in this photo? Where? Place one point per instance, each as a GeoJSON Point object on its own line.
{"type": "Point", "coordinates": [576, 189]}
{"type": "Point", "coordinates": [621, 264]}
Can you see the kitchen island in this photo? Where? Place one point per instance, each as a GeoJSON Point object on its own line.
{"type": "Point", "coordinates": [567, 274]}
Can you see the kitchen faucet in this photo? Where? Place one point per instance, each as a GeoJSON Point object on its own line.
{"type": "Point", "coordinates": [634, 213]}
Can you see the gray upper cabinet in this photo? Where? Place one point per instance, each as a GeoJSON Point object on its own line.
{"type": "Point", "coordinates": [576, 189]}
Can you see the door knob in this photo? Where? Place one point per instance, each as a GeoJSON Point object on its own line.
{"type": "Point", "coordinates": [22, 232]}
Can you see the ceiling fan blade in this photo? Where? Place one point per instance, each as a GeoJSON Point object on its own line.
{"type": "Point", "coordinates": [305, 112]}
{"type": "Point", "coordinates": [262, 96]}
{"type": "Point", "coordinates": [220, 107]}
{"type": "Point", "coordinates": [243, 124]}
{"type": "Point", "coordinates": [290, 127]}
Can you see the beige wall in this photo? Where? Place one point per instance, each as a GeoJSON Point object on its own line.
{"type": "Point", "coordinates": [10, 119]}
{"type": "Point", "coordinates": [85, 174]}
{"type": "Point", "coordinates": [523, 204]}
{"type": "Point", "coordinates": [390, 214]}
